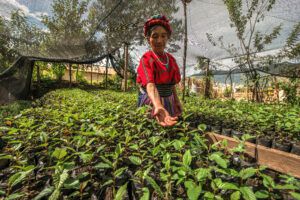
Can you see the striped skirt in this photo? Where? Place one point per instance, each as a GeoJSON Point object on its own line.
{"type": "Point", "coordinates": [168, 103]}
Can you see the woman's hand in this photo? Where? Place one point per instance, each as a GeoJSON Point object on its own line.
{"type": "Point", "coordinates": [163, 117]}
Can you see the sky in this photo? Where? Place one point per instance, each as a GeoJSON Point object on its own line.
{"type": "Point", "coordinates": [204, 16]}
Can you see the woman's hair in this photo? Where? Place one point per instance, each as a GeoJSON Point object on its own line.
{"type": "Point", "coordinates": [148, 34]}
{"type": "Point", "coordinates": [155, 21]}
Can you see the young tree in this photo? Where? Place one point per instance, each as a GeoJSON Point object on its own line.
{"type": "Point", "coordinates": [67, 30]}
{"type": "Point", "coordinates": [245, 15]}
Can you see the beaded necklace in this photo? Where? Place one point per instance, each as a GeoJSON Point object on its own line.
{"type": "Point", "coordinates": [165, 64]}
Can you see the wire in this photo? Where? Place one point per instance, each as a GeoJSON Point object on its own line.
{"type": "Point", "coordinates": [102, 20]}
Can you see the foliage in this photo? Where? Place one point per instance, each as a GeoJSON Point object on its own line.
{"type": "Point", "coordinates": [58, 70]}
{"type": "Point", "coordinates": [272, 120]}
{"type": "Point", "coordinates": [292, 46]}
{"type": "Point", "coordinates": [78, 144]}
{"type": "Point", "coordinates": [125, 23]}
{"type": "Point", "coordinates": [290, 89]}
{"type": "Point", "coordinates": [244, 18]}
{"type": "Point", "coordinates": [7, 54]}
{"type": "Point", "coordinates": [67, 27]}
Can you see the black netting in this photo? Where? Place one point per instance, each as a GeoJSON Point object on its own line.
{"type": "Point", "coordinates": [75, 31]}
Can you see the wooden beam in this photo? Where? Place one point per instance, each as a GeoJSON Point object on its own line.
{"type": "Point", "coordinates": [280, 161]}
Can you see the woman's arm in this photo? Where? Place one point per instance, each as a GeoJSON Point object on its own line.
{"type": "Point", "coordinates": [153, 95]}
{"type": "Point", "coordinates": [161, 114]}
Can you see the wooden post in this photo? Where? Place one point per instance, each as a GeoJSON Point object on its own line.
{"type": "Point", "coordinates": [185, 48]}
{"type": "Point", "coordinates": [207, 82]}
{"type": "Point", "coordinates": [106, 72]}
{"type": "Point", "coordinates": [77, 71]}
{"type": "Point", "coordinates": [91, 74]}
{"type": "Point", "coordinates": [70, 74]}
{"type": "Point", "coordinates": [126, 66]}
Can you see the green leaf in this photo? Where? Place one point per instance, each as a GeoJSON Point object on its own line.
{"type": "Point", "coordinates": [101, 148]}
{"type": "Point", "coordinates": [247, 173]}
{"type": "Point", "coordinates": [121, 192]}
{"type": "Point", "coordinates": [62, 178]}
{"type": "Point", "coordinates": [146, 194]}
{"type": "Point", "coordinates": [86, 157]}
{"type": "Point", "coordinates": [120, 171]}
{"type": "Point", "coordinates": [15, 196]}
{"type": "Point", "coordinates": [59, 153]}
{"type": "Point", "coordinates": [154, 140]}
{"type": "Point", "coordinates": [247, 193]}
{"type": "Point", "coordinates": [135, 160]}
{"type": "Point", "coordinates": [295, 195]}
{"type": "Point", "coordinates": [155, 186]}
{"type": "Point", "coordinates": [106, 161]}
{"type": "Point", "coordinates": [202, 174]}
{"type": "Point", "coordinates": [193, 190]}
{"type": "Point", "coordinates": [209, 195]}
{"type": "Point", "coordinates": [187, 158]}
{"type": "Point", "coordinates": [44, 193]}
{"type": "Point", "coordinates": [286, 187]}
{"type": "Point", "coordinates": [18, 177]}
{"type": "Point", "coordinates": [235, 196]}
{"type": "Point", "coordinates": [262, 194]}
{"type": "Point", "coordinates": [134, 147]}
{"type": "Point", "coordinates": [228, 186]}
{"type": "Point", "coordinates": [178, 144]}
{"type": "Point", "coordinates": [218, 159]}
{"type": "Point", "coordinates": [268, 181]}
{"type": "Point", "coordinates": [202, 127]}
{"type": "Point", "coordinates": [102, 166]}
{"type": "Point", "coordinates": [110, 181]}
{"type": "Point", "coordinates": [72, 184]}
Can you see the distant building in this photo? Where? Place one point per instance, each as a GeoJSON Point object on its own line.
{"type": "Point", "coordinates": [94, 72]}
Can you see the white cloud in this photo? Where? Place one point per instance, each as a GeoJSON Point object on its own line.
{"type": "Point", "coordinates": [7, 6]}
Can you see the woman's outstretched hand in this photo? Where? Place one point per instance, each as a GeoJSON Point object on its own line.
{"type": "Point", "coordinates": [163, 117]}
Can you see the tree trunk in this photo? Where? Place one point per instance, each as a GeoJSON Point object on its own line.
{"type": "Point", "coordinates": [256, 96]}
{"type": "Point", "coordinates": [207, 82]}
{"type": "Point", "coordinates": [231, 87]}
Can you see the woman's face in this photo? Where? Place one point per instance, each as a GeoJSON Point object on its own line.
{"type": "Point", "coordinates": [158, 39]}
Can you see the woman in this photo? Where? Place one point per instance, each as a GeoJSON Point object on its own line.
{"type": "Point", "coordinates": [158, 73]}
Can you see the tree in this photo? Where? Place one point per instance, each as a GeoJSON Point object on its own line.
{"type": "Point", "coordinates": [244, 17]}
{"type": "Point", "coordinates": [125, 23]}
{"type": "Point", "coordinates": [204, 64]}
{"type": "Point", "coordinates": [67, 30]}
{"type": "Point", "coordinates": [18, 38]}
{"type": "Point", "coordinates": [7, 54]}
{"type": "Point", "coordinates": [292, 46]}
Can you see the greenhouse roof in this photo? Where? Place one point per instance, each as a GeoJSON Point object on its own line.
{"type": "Point", "coordinates": [204, 17]}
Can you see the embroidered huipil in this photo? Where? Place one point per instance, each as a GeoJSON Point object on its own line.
{"type": "Point", "coordinates": [152, 70]}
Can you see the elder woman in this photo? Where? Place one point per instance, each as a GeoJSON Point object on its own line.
{"type": "Point", "coordinates": [158, 73]}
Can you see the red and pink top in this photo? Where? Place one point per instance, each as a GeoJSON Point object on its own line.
{"type": "Point", "coordinates": [157, 69]}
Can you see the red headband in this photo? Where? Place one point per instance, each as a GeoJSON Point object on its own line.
{"type": "Point", "coordinates": [157, 20]}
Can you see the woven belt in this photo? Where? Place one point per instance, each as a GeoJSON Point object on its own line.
{"type": "Point", "coordinates": [164, 90]}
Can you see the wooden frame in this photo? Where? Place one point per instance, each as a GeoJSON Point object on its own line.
{"type": "Point", "coordinates": [274, 159]}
